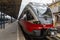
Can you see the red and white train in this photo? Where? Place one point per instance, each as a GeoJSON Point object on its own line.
{"type": "Point", "coordinates": [36, 20]}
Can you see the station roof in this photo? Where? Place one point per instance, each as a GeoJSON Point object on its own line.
{"type": "Point", "coordinates": [10, 7]}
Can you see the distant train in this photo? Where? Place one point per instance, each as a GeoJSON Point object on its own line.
{"type": "Point", "coordinates": [36, 20]}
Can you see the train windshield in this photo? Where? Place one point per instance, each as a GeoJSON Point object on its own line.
{"type": "Point", "coordinates": [45, 17]}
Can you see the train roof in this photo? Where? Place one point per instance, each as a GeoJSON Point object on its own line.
{"type": "Point", "coordinates": [42, 8]}
{"type": "Point", "coordinates": [37, 4]}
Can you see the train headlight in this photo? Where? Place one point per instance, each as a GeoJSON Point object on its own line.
{"type": "Point", "coordinates": [52, 33]}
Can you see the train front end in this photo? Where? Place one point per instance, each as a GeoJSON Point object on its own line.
{"type": "Point", "coordinates": [45, 19]}
{"type": "Point", "coordinates": [37, 21]}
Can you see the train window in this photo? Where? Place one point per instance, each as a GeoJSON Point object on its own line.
{"type": "Point", "coordinates": [48, 13]}
{"type": "Point", "coordinates": [46, 18]}
{"type": "Point", "coordinates": [29, 16]}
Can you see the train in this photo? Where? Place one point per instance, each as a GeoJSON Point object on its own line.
{"type": "Point", "coordinates": [36, 20]}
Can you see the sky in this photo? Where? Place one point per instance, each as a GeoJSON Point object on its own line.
{"type": "Point", "coordinates": [25, 2]}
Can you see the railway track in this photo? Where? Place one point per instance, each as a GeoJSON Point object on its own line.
{"type": "Point", "coordinates": [47, 38]}
{"type": "Point", "coordinates": [53, 38]}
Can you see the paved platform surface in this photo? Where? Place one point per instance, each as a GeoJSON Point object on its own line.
{"type": "Point", "coordinates": [11, 32]}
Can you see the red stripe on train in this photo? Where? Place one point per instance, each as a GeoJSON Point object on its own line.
{"type": "Point", "coordinates": [30, 26]}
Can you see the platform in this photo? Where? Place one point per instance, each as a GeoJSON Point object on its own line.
{"type": "Point", "coordinates": [11, 32]}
